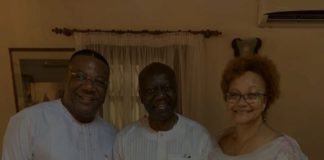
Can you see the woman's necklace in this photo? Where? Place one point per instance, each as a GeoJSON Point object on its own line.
{"type": "Point", "coordinates": [247, 141]}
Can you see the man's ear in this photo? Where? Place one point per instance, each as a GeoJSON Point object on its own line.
{"type": "Point", "coordinates": [141, 96]}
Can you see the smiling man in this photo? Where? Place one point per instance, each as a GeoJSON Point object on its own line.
{"type": "Point", "coordinates": [68, 128]}
{"type": "Point", "coordinates": [163, 134]}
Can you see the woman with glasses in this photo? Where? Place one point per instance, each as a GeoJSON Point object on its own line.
{"type": "Point", "coordinates": [250, 86]}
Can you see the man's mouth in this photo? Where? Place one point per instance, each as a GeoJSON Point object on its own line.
{"type": "Point", "coordinates": [161, 107]}
{"type": "Point", "coordinates": [86, 99]}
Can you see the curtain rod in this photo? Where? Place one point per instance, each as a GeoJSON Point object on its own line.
{"type": "Point", "coordinates": [69, 32]}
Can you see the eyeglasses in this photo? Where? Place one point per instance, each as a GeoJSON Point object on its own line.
{"type": "Point", "coordinates": [81, 77]}
{"type": "Point", "coordinates": [155, 90]}
{"type": "Point", "coordinates": [250, 98]}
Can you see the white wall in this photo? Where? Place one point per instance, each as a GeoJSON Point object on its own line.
{"type": "Point", "coordinates": [298, 53]}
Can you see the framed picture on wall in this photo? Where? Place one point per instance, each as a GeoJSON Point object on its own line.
{"type": "Point", "coordinates": [38, 74]}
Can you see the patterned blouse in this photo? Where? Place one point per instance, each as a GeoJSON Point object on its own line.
{"type": "Point", "coordinates": [281, 148]}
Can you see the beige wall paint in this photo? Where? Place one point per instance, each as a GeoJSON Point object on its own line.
{"type": "Point", "coordinates": [298, 53]}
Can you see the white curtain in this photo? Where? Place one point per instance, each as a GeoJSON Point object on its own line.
{"type": "Point", "coordinates": [127, 54]}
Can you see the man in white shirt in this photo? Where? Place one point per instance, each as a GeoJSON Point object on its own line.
{"type": "Point", "coordinates": [68, 128]}
{"type": "Point", "coordinates": [163, 134]}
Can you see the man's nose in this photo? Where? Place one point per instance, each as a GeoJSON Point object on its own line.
{"type": "Point", "coordinates": [88, 84]}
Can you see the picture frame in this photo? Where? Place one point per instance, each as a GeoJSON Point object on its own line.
{"type": "Point", "coordinates": [38, 74]}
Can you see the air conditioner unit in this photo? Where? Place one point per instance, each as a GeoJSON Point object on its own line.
{"type": "Point", "coordinates": [291, 13]}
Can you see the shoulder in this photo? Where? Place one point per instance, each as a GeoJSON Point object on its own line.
{"type": "Point", "coordinates": [195, 134]}
{"type": "Point", "coordinates": [287, 142]}
{"type": "Point", "coordinates": [131, 128]}
{"type": "Point", "coordinates": [288, 147]}
{"type": "Point", "coordinates": [106, 127]}
{"type": "Point", "coordinates": [33, 119]}
{"type": "Point", "coordinates": [191, 124]}
{"type": "Point", "coordinates": [190, 128]}
{"type": "Point", "coordinates": [131, 132]}
{"type": "Point", "coordinates": [36, 112]}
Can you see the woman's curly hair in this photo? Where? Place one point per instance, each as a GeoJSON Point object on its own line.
{"type": "Point", "coordinates": [260, 65]}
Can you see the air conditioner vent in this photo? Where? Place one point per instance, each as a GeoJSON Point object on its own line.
{"type": "Point", "coordinates": [295, 13]}
{"type": "Point", "coordinates": [296, 16]}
